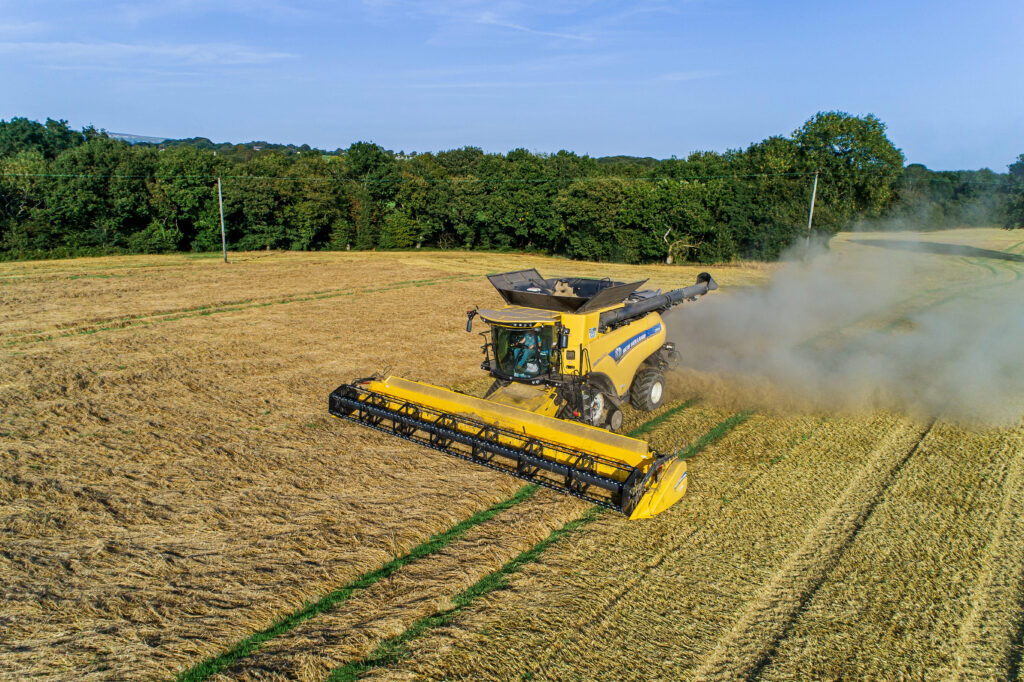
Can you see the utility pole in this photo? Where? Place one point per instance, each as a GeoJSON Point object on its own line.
{"type": "Point", "coordinates": [810, 214]}
{"type": "Point", "coordinates": [223, 238]}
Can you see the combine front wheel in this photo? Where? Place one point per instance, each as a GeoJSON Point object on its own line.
{"type": "Point", "coordinates": [648, 390]}
{"type": "Point", "coordinates": [614, 420]}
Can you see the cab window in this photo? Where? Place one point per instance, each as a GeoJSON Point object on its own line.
{"type": "Point", "coordinates": [523, 353]}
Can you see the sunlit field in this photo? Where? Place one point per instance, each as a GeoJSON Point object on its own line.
{"type": "Point", "coordinates": [175, 500]}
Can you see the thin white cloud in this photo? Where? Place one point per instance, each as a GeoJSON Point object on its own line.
{"type": "Point", "coordinates": [127, 69]}
{"type": "Point", "coordinates": [139, 13]}
{"type": "Point", "coordinates": [460, 19]}
{"type": "Point", "coordinates": [24, 29]}
{"type": "Point", "coordinates": [472, 85]}
{"type": "Point", "coordinates": [104, 53]}
{"type": "Point", "coordinates": [490, 19]}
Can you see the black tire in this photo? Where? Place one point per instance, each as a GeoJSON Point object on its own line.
{"type": "Point", "coordinates": [648, 389]}
{"type": "Point", "coordinates": [614, 419]}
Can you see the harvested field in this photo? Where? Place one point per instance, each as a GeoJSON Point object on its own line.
{"type": "Point", "coordinates": [175, 501]}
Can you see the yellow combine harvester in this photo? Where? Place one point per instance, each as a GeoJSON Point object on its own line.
{"type": "Point", "coordinates": [565, 354]}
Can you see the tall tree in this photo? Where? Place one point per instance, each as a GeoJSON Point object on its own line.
{"type": "Point", "coordinates": [49, 139]}
{"type": "Point", "coordinates": [183, 200]}
{"type": "Point", "coordinates": [373, 183]}
{"type": "Point", "coordinates": [858, 164]}
{"type": "Point", "coordinates": [96, 195]}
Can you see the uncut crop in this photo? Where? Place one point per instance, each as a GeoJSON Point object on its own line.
{"type": "Point", "coordinates": [560, 609]}
{"type": "Point", "coordinates": [908, 576]}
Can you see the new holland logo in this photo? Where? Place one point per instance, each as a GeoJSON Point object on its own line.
{"type": "Point", "coordinates": [619, 352]}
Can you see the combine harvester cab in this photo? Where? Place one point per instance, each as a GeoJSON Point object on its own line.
{"type": "Point", "coordinates": [565, 353]}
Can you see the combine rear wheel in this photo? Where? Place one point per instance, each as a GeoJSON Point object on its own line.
{"type": "Point", "coordinates": [648, 390]}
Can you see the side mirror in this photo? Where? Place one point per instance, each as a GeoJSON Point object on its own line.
{"type": "Point", "coordinates": [470, 314]}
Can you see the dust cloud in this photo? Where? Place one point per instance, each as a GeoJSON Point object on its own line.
{"type": "Point", "coordinates": [907, 325]}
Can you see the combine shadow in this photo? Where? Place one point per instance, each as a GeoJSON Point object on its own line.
{"type": "Point", "coordinates": [942, 249]}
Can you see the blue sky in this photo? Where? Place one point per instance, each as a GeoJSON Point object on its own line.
{"type": "Point", "coordinates": [595, 77]}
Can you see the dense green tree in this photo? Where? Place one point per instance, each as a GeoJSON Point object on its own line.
{"type": "Point", "coordinates": [49, 139]}
{"type": "Point", "coordinates": [183, 198]}
{"type": "Point", "coordinates": [255, 206]}
{"type": "Point", "coordinates": [63, 191]}
{"type": "Point", "coordinates": [21, 198]}
{"type": "Point", "coordinates": [940, 199]}
{"type": "Point", "coordinates": [858, 166]}
{"type": "Point", "coordinates": [373, 177]}
{"type": "Point", "coordinates": [315, 217]}
{"type": "Point", "coordinates": [590, 214]}
{"type": "Point", "coordinates": [1015, 207]}
{"type": "Point", "coordinates": [96, 196]}
{"type": "Point", "coordinates": [399, 231]}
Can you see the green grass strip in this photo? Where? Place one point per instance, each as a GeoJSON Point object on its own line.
{"type": "Point", "coordinates": [661, 418]}
{"type": "Point", "coordinates": [212, 666]}
{"type": "Point", "coordinates": [396, 648]}
{"type": "Point", "coordinates": [250, 644]}
{"type": "Point", "coordinates": [715, 434]}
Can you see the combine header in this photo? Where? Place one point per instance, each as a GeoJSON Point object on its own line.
{"type": "Point", "coordinates": [565, 354]}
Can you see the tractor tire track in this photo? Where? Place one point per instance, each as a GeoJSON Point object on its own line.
{"type": "Point", "coordinates": [352, 633]}
{"type": "Point", "coordinates": [910, 577]}
{"type": "Point", "coordinates": [703, 587]}
{"type": "Point", "coordinates": [351, 670]}
{"type": "Point", "coordinates": [744, 652]}
{"type": "Point", "coordinates": [576, 593]}
{"type": "Point", "coordinates": [935, 297]}
{"type": "Point", "coordinates": [366, 581]}
{"type": "Point", "coordinates": [992, 636]}
{"type": "Point", "coordinates": [997, 283]}
{"type": "Point", "coordinates": [340, 636]}
{"type": "Point", "coordinates": [176, 261]}
{"type": "Point", "coordinates": [396, 648]}
{"type": "Point", "coordinates": [540, 668]}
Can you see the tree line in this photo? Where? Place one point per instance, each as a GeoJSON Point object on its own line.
{"type": "Point", "coordinates": [67, 192]}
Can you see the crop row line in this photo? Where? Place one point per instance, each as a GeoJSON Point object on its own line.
{"type": "Point", "coordinates": [978, 262]}
{"type": "Point", "coordinates": [713, 435]}
{"type": "Point", "coordinates": [1017, 276]}
{"type": "Point", "coordinates": [132, 322]}
{"type": "Point", "coordinates": [124, 320]}
{"type": "Point", "coordinates": [396, 648]}
{"type": "Point", "coordinates": [749, 647]}
{"type": "Point", "coordinates": [992, 635]}
{"type": "Point", "coordinates": [435, 543]}
{"type": "Point", "coordinates": [888, 328]}
{"type": "Point", "coordinates": [190, 260]}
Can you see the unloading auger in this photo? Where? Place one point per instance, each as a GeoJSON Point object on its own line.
{"type": "Point", "coordinates": [565, 354]}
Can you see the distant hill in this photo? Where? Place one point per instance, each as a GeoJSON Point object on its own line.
{"type": "Point", "coordinates": [645, 161]}
{"type": "Point", "coordinates": [245, 150]}
{"type": "Point", "coordinates": [136, 139]}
